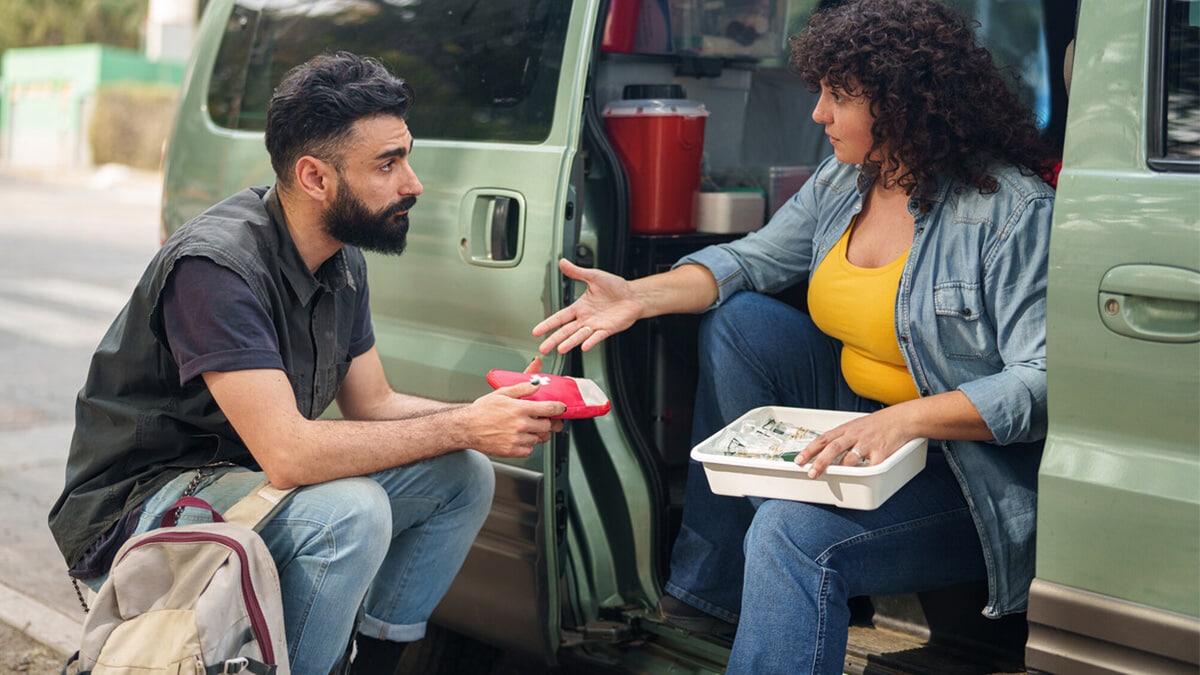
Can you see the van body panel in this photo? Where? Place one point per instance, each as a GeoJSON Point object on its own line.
{"type": "Point", "coordinates": [611, 536]}
{"type": "Point", "coordinates": [1071, 630]}
{"type": "Point", "coordinates": [1119, 486]}
{"type": "Point", "coordinates": [194, 169]}
{"type": "Point", "coordinates": [511, 547]}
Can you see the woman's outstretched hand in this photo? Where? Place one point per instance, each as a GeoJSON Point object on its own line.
{"type": "Point", "coordinates": [607, 307]}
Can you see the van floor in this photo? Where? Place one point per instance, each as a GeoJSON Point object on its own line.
{"type": "Point", "coordinates": [880, 650]}
{"type": "Point", "coordinates": [935, 633]}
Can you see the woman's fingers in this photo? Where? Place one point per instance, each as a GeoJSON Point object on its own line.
{"type": "Point", "coordinates": [570, 336]}
{"type": "Point", "coordinates": [607, 302]}
{"type": "Point", "coordinates": [836, 447]}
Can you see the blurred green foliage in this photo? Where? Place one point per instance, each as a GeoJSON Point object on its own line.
{"type": "Point", "coordinates": [130, 123]}
{"type": "Point", "coordinates": [37, 23]}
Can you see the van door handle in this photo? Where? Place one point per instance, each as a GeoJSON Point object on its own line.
{"type": "Point", "coordinates": [1151, 302]}
{"type": "Point", "coordinates": [493, 228]}
{"type": "Point", "coordinates": [503, 230]}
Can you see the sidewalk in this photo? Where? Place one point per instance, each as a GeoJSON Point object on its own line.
{"type": "Point", "coordinates": [48, 212]}
{"type": "Point", "coordinates": [20, 653]}
{"type": "Point", "coordinates": [44, 625]}
{"type": "Point", "coordinates": [38, 601]}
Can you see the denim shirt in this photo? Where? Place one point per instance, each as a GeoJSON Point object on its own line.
{"type": "Point", "coordinates": [970, 315]}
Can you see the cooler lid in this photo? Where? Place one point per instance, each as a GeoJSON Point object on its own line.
{"type": "Point", "coordinates": [655, 106]}
{"type": "Point", "coordinates": [669, 90]}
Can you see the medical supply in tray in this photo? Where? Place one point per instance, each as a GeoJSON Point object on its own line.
{"type": "Point", "coordinates": [766, 439]}
{"type": "Point", "coordinates": [752, 456]}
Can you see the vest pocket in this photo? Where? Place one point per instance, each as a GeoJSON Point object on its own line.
{"type": "Point", "coordinates": [963, 331]}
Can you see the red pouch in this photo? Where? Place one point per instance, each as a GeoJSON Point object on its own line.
{"type": "Point", "coordinates": [582, 397]}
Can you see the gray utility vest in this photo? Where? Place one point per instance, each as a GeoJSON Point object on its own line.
{"type": "Point", "coordinates": [137, 427]}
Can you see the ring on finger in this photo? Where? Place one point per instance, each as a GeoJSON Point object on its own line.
{"type": "Point", "coordinates": [861, 459]}
{"type": "Point", "coordinates": [588, 329]}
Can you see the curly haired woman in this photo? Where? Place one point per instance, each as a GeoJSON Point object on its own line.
{"type": "Point", "coordinates": [923, 240]}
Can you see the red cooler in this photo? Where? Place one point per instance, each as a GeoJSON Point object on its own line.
{"type": "Point", "coordinates": [660, 143]}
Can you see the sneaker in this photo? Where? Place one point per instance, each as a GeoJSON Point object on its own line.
{"type": "Point", "coordinates": [682, 615]}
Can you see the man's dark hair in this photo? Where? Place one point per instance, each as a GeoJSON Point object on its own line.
{"type": "Point", "coordinates": [941, 105]}
{"type": "Point", "coordinates": [314, 108]}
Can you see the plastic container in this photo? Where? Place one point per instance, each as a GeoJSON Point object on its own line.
{"type": "Point", "coordinates": [851, 487]}
{"type": "Point", "coordinates": [660, 142]}
{"type": "Point", "coordinates": [729, 212]}
{"type": "Point", "coordinates": [620, 26]}
{"type": "Point", "coordinates": [730, 28]}
{"type": "Point", "coordinates": [786, 181]}
{"type": "Point", "coordinates": [639, 26]}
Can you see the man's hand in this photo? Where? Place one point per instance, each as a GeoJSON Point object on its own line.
{"type": "Point", "coordinates": [500, 424]}
{"type": "Point", "coordinates": [292, 450]}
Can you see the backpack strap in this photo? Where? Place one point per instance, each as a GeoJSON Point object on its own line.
{"type": "Point", "coordinates": [171, 517]}
{"type": "Point", "coordinates": [256, 508]}
{"type": "Point", "coordinates": [240, 664]}
{"type": "Point", "coordinates": [229, 667]}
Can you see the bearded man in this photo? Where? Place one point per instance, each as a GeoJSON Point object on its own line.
{"type": "Point", "coordinates": [249, 322]}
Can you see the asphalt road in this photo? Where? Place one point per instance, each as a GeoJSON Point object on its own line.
{"type": "Point", "coordinates": [72, 246]}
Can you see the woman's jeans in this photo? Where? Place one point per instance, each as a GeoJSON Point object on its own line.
{"type": "Point", "coordinates": [753, 351]}
{"type": "Point", "coordinates": [396, 537]}
{"type": "Point", "coordinates": [802, 562]}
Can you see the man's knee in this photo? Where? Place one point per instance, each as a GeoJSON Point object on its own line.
{"type": "Point", "coordinates": [475, 477]}
{"type": "Point", "coordinates": [352, 507]}
{"type": "Point", "coordinates": [461, 482]}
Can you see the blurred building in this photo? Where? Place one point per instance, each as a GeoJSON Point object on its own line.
{"type": "Point", "coordinates": [170, 29]}
{"type": "Point", "coordinates": [47, 94]}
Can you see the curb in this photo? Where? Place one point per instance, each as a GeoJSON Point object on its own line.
{"type": "Point", "coordinates": [45, 625]}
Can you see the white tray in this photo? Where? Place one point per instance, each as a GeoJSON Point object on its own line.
{"type": "Point", "coordinates": [852, 487]}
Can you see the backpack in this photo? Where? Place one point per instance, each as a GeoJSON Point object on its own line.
{"type": "Point", "coordinates": [200, 599]}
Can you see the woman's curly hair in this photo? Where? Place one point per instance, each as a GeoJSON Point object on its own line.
{"type": "Point", "coordinates": [941, 106]}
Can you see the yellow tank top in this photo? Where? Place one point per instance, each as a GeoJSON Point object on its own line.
{"type": "Point", "coordinates": [857, 305]}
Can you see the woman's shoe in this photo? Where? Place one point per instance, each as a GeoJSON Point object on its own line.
{"type": "Point", "coordinates": [682, 615]}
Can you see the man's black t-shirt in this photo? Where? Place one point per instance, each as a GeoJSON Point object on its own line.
{"type": "Point", "coordinates": [214, 322]}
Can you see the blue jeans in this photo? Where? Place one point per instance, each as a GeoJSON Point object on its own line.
{"type": "Point", "coordinates": [805, 561]}
{"type": "Point", "coordinates": [753, 351]}
{"type": "Point", "coordinates": [801, 562]}
{"type": "Point", "coordinates": [396, 537]}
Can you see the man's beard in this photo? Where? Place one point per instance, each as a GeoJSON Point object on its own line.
{"type": "Point", "coordinates": [349, 221]}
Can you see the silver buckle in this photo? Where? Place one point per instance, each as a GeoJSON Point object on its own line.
{"type": "Point", "coordinates": [235, 666]}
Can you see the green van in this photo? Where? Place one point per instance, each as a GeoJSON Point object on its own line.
{"type": "Point", "coordinates": [519, 171]}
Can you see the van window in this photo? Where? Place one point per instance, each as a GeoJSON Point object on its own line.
{"type": "Point", "coordinates": [1181, 82]}
{"type": "Point", "coordinates": [479, 70]}
{"type": "Point", "coordinates": [1012, 30]}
